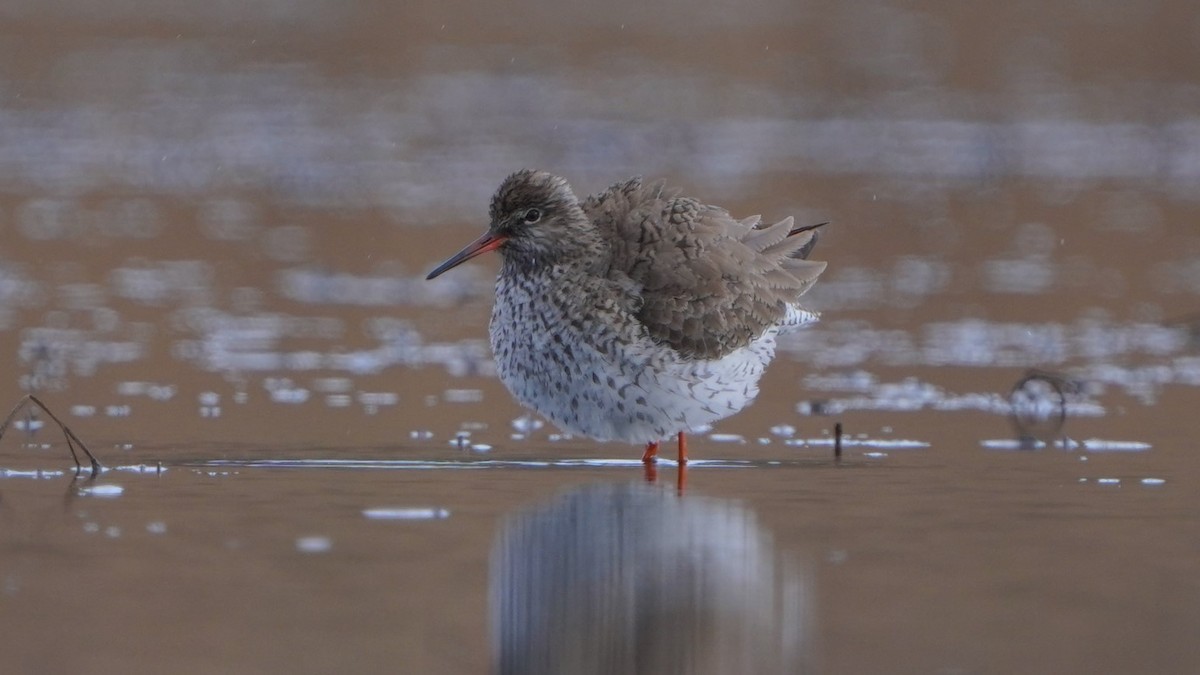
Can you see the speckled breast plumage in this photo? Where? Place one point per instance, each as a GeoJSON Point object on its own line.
{"type": "Point", "coordinates": [566, 347]}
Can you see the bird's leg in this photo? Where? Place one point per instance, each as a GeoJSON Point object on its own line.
{"type": "Point", "coordinates": [649, 460]}
{"type": "Point", "coordinates": [681, 476]}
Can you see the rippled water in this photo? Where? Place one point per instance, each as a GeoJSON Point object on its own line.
{"type": "Point", "coordinates": [214, 226]}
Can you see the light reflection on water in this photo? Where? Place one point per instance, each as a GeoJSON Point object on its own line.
{"type": "Point", "coordinates": [1139, 359]}
{"type": "Point", "coordinates": [479, 464]}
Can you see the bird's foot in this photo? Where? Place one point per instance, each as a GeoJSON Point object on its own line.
{"type": "Point", "coordinates": [650, 461]}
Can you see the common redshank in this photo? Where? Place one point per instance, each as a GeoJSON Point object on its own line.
{"type": "Point", "coordinates": [636, 314]}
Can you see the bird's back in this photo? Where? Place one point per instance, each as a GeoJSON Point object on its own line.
{"type": "Point", "coordinates": [709, 284]}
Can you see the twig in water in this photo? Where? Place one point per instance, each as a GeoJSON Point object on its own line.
{"type": "Point", "coordinates": [72, 439]}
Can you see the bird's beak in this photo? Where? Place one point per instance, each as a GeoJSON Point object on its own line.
{"type": "Point", "coordinates": [488, 242]}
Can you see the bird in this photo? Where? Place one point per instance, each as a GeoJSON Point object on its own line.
{"type": "Point", "coordinates": [636, 314]}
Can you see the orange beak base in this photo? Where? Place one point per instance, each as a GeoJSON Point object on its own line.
{"type": "Point", "coordinates": [488, 242]}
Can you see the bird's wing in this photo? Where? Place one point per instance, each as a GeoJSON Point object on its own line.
{"type": "Point", "coordinates": [710, 284]}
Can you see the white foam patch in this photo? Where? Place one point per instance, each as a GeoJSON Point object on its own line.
{"type": "Point", "coordinates": [527, 424]}
{"type": "Point", "coordinates": [36, 474]}
{"type": "Point", "coordinates": [141, 468]}
{"type": "Point", "coordinates": [107, 491]}
{"type": "Point", "coordinates": [1100, 445]}
{"type": "Point", "coordinates": [1006, 444]}
{"type": "Point", "coordinates": [888, 443]}
{"type": "Point", "coordinates": [726, 438]}
{"type": "Point", "coordinates": [406, 513]}
{"type": "Point", "coordinates": [1088, 445]}
{"type": "Point", "coordinates": [315, 544]}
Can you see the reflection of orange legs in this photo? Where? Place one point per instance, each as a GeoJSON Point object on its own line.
{"type": "Point", "coordinates": [650, 472]}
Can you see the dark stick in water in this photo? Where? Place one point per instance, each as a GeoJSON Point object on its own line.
{"type": "Point", "coordinates": [72, 439]}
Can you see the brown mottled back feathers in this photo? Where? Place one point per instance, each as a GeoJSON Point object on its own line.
{"type": "Point", "coordinates": [710, 284]}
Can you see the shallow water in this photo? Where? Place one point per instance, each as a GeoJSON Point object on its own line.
{"type": "Point", "coordinates": [939, 559]}
{"type": "Point", "coordinates": [214, 229]}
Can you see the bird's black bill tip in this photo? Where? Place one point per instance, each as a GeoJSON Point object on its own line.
{"type": "Point", "coordinates": [488, 242]}
{"type": "Point", "coordinates": [807, 228]}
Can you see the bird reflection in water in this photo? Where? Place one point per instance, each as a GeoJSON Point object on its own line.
{"type": "Point", "coordinates": [630, 578]}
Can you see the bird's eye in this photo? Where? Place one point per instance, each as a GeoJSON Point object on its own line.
{"type": "Point", "coordinates": [533, 215]}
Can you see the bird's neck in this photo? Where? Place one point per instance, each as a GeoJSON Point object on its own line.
{"type": "Point", "coordinates": [590, 257]}
{"type": "Point", "coordinates": [559, 268]}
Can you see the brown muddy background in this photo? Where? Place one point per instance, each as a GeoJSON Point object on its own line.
{"type": "Point", "coordinates": [215, 219]}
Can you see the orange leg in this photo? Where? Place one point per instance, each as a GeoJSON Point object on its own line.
{"type": "Point", "coordinates": [651, 453]}
{"type": "Point", "coordinates": [681, 477]}
{"type": "Point", "coordinates": [649, 461]}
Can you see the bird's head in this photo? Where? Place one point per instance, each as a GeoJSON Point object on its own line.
{"type": "Point", "coordinates": [536, 220]}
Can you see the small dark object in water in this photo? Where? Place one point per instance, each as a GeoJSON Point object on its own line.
{"type": "Point", "coordinates": [837, 441]}
{"type": "Point", "coordinates": [1039, 404]}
